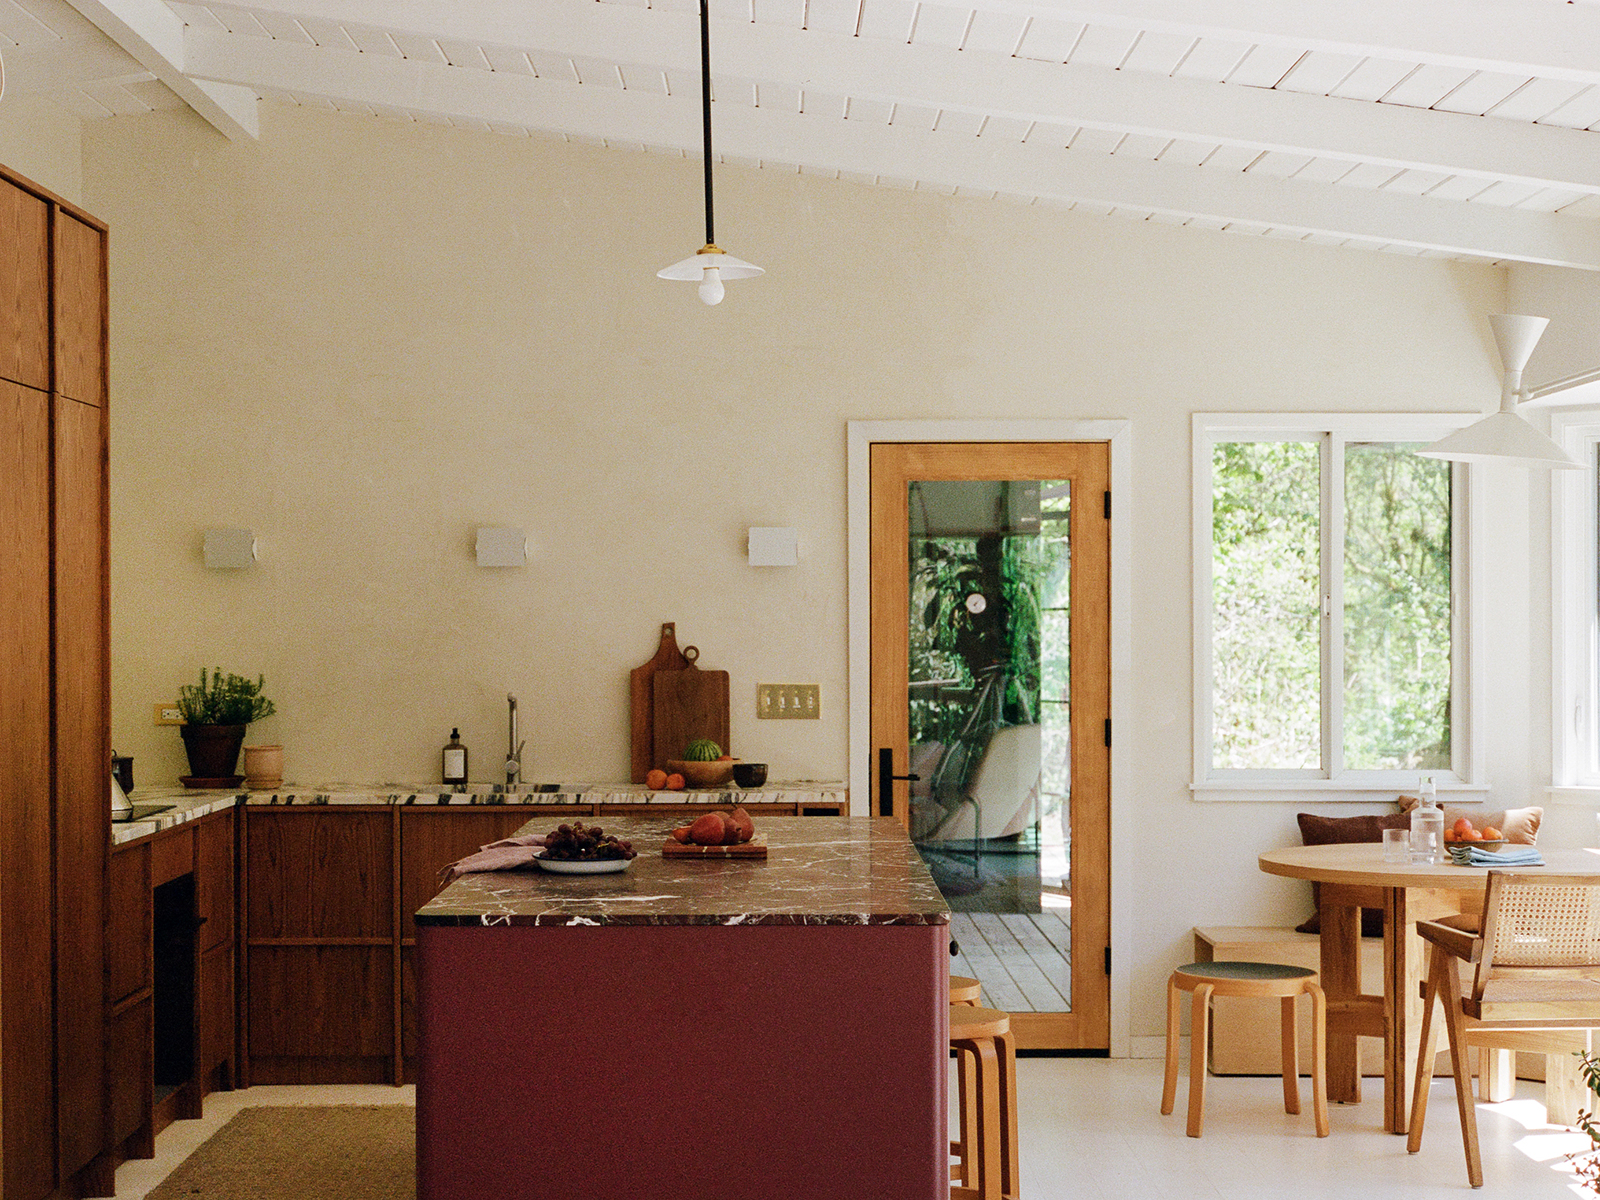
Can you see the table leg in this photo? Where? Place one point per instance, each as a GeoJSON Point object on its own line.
{"type": "Point", "coordinates": [1341, 980]}
{"type": "Point", "coordinates": [1399, 988]}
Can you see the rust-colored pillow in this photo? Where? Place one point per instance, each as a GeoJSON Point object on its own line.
{"type": "Point", "coordinates": [1520, 825]}
{"type": "Point", "coordinates": [1327, 831]}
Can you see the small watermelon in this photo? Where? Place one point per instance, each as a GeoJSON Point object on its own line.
{"type": "Point", "coordinates": [702, 750]}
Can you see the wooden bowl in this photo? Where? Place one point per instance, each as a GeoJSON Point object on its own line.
{"type": "Point", "coordinates": [702, 774]}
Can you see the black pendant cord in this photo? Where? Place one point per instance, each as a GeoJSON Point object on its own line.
{"type": "Point", "coordinates": [705, 106]}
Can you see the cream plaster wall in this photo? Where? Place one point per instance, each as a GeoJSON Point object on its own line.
{"type": "Point", "coordinates": [362, 339]}
{"type": "Point", "coordinates": [44, 142]}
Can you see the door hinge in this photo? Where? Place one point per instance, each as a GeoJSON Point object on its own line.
{"type": "Point", "coordinates": [1108, 960]}
{"type": "Point", "coordinates": [1108, 731]}
{"type": "Point", "coordinates": [1108, 506]}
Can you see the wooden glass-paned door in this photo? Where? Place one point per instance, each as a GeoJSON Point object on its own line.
{"type": "Point", "coordinates": [991, 686]}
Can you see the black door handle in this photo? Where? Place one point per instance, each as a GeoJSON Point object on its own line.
{"type": "Point", "coordinates": [886, 778]}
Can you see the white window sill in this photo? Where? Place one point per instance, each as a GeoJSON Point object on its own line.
{"type": "Point", "coordinates": [1330, 791]}
{"type": "Point", "coordinates": [1574, 796]}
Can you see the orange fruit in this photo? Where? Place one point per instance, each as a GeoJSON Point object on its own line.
{"type": "Point", "coordinates": [675, 783]}
{"type": "Point", "coordinates": [656, 780]}
{"type": "Point", "coordinates": [1450, 835]}
{"type": "Point", "coordinates": [1461, 826]}
{"type": "Point", "coordinates": [1491, 834]}
{"type": "Point", "coordinates": [1474, 836]}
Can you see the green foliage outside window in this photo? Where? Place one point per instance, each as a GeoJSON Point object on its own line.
{"type": "Point", "coordinates": [1266, 607]}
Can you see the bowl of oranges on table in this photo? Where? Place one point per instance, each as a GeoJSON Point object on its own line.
{"type": "Point", "coordinates": [1464, 836]}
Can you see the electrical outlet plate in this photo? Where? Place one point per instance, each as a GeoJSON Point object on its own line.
{"type": "Point", "coordinates": [168, 713]}
{"type": "Point", "coordinates": [788, 701]}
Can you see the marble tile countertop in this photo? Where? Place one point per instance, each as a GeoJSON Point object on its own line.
{"type": "Point", "coordinates": [819, 871]}
{"type": "Point", "coordinates": [189, 805]}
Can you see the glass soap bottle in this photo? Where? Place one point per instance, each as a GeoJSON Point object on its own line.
{"type": "Point", "coordinates": [1427, 826]}
{"type": "Point", "coordinates": [455, 759]}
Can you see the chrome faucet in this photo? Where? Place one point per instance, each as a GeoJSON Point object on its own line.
{"type": "Point", "coordinates": [513, 748]}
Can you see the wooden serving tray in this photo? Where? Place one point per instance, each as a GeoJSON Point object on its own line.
{"type": "Point", "coordinates": [755, 848]}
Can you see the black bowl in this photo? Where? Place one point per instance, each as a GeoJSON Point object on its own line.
{"type": "Point", "coordinates": [749, 775]}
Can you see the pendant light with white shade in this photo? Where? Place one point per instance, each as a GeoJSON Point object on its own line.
{"type": "Point", "coordinates": [1506, 436]}
{"type": "Point", "coordinates": [708, 266]}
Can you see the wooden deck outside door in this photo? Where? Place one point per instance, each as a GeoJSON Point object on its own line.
{"type": "Point", "coordinates": [1087, 466]}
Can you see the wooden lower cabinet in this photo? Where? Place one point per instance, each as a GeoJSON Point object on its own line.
{"type": "Point", "coordinates": [170, 1037]}
{"type": "Point", "coordinates": [329, 893]}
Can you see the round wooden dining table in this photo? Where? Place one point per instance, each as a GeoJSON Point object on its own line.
{"type": "Point", "coordinates": [1352, 877]}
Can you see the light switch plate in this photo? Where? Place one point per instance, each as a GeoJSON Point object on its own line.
{"type": "Point", "coordinates": [788, 701]}
{"type": "Point", "coordinates": [168, 713]}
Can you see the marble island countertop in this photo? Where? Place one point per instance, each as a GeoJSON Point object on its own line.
{"type": "Point", "coordinates": [819, 871]}
{"type": "Point", "coordinates": [191, 804]}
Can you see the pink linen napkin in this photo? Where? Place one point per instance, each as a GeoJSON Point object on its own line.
{"type": "Point", "coordinates": [504, 855]}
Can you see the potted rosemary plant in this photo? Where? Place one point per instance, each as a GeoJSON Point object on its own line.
{"type": "Point", "coordinates": [216, 714]}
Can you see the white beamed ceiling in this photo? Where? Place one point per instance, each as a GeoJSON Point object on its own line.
{"type": "Point", "coordinates": [1462, 128]}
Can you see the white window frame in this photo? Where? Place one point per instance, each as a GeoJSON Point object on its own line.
{"type": "Point", "coordinates": [1332, 781]}
{"type": "Point", "coordinates": [1575, 677]}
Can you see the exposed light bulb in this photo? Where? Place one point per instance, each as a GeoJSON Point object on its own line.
{"type": "Point", "coordinates": [711, 289]}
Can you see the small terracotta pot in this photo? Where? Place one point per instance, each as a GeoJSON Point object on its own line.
{"type": "Point", "coordinates": [263, 766]}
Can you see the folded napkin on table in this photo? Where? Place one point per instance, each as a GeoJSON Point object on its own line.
{"type": "Point", "coordinates": [1519, 856]}
{"type": "Point", "coordinates": [503, 855]}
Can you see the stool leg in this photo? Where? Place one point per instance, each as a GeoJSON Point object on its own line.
{"type": "Point", "coordinates": [1169, 1086]}
{"type": "Point", "coordinates": [1010, 1183]}
{"type": "Point", "coordinates": [1291, 1056]}
{"type": "Point", "coordinates": [965, 1067]}
{"type": "Point", "coordinates": [989, 1133]}
{"type": "Point", "coordinates": [1319, 1056]}
{"type": "Point", "coordinates": [1199, 1029]}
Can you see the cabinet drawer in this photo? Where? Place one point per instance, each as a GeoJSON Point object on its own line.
{"type": "Point", "coordinates": [319, 874]}
{"type": "Point", "coordinates": [128, 924]}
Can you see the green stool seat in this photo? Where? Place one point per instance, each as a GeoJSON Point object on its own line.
{"type": "Point", "coordinates": [1246, 970]}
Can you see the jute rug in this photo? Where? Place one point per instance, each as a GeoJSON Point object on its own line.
{"type": "Point", "coordinates": [347, 1152]}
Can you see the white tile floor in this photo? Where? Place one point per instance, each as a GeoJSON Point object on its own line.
{"type": "Point", "coordinates": [1091, 1130]}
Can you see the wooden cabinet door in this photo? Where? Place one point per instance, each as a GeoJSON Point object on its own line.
{"type": "Point", "coordinates": [24, 288]}
{"type": "Point", "coordinates": [83, 791]}
{"type": "Point", "coordinates": [80, 317]}
{"type": "Point", "coordinates": [214, 997]}
{"type": "Point", "coordinates": [319, 936]}
{"type": "Point", "coordinates": [130, 1033]}
{"type": "Point", "coordinates": [26, 1003]}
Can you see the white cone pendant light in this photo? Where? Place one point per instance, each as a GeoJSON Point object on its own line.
{"type": "Point", "coordinates": [1505, 436]}
{"type": "Point", "coordinates": [708, 266]}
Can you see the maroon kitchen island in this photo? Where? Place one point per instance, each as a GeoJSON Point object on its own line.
{"type": "Point", "coordinates": [689, 1030]}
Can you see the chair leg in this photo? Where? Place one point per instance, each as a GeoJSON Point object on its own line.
{"type": "Point", "coordinates": [1427, 1050]}
{"type": "Point", "coordinates": [1291, 1057]}
{"type": "Point", "coordinates": [1319, 1056]}
{"type": "Point", "coordinates": [1169, 1086]}
{"type": "Point", "coordinates": [1199, 1038]}
{"type": "Point", "coordinates": [1458, 1064]}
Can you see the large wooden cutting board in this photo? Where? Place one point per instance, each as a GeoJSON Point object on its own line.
{"type": "Point", "coordinates": [755, 848]}
{"type": "Point", "coordinates": [642, 705]}
{"type": "Point", "coordinates": [689, 704]}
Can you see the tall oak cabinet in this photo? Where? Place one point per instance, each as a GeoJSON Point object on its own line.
{"type": "Point", "coordinates": [54, 696]}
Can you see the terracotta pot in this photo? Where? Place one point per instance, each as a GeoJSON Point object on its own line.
{"type": "Point", "coordinates": [263, 766]}
{"type": "Point", "coordinates": [213, 749]}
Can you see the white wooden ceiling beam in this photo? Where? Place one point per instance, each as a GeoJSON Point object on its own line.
{"type": "Point", "coordinates": [1528, 37]}
{"type": "Point", "coordinates": [994, 85]}
{"type": "Point", "coordinates": [46, 67]}
{"type": "Point", "coordinates": [153, 35]}
{"type": "Point", "coordinates": [874, 149]}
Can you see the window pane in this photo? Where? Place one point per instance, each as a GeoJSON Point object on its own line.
{"type": "Point", "coordinates": [1396, 608]}
{"type": "Point", "coordinates": [1265, 624]}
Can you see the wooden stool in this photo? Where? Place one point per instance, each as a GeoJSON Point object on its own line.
{"type": "Point", "coordinates": [1207, 979]}
{"type": "Point", "coordinates": [988, 1149]}
{"type": "Point", "coordinates": [964, 990]}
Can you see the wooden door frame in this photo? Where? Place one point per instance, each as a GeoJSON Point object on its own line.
{"type": "Point", "coordinates": [860, 436]}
